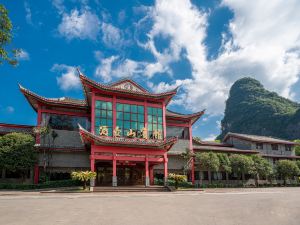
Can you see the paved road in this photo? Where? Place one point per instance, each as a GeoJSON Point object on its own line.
{"type": "Point", "coordinates": [274, 206]}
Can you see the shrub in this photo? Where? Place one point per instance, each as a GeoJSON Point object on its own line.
{"type": "Point", "coordinates": [83, 176]}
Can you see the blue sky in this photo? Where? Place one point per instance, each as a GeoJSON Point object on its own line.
{"type": "Point", "coordinates": [203, 46]}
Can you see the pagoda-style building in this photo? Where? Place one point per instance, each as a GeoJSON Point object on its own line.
{"type": "Point", "coordinates": [120, 130]}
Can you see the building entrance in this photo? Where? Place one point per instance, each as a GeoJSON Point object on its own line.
{"type": "Point", "coordinates": [126, 174]}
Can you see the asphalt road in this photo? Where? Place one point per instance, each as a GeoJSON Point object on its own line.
{"type": "Point", "coordinates": [274, 206]}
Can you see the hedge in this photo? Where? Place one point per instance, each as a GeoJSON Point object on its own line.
{"type": "Point", "coordinates": [48, 184]}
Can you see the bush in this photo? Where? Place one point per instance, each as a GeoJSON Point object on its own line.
{"type": "Point", "coordinates": [49, 184]}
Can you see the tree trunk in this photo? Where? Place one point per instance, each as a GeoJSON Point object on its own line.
{"type": "Point", "coordinates": [227, 177]}
{"type": "Point", "coordinates": [3, 173]}
{"type": "Point", "coordinates": [256, 180]}
{"type": "Point", "coordinates": [209, 176]}
{"type": "Point", "coordinates": [84, 184]}
{"type": "Point", "coordinates": [243, 177]}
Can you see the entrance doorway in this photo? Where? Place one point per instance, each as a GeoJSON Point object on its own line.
{"type": "Point", "coordinates": [133, 174]}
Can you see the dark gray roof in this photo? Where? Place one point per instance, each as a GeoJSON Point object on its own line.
{"type": "Point", "coordinates": [257, 138]}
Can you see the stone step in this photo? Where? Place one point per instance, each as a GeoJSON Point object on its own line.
{"type": "Point", "coordinates": [131, 189]}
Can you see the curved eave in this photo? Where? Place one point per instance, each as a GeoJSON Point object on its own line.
{"type": "Point", "coordinates": [190, 117]}
{"type": "Point", "coordinates": [87, 83]}
{"type": "Point", "coordinates": [34, 99]}
{"type": "Point", "coordinates": [88, 137]}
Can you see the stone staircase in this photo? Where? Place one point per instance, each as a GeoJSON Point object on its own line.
{"type": "Point", "coordinates": [138, 188]}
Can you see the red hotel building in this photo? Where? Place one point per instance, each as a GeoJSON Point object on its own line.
{"type": "Point", "coordinates": [120, 130]}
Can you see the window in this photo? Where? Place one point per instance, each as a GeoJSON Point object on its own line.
{"type": "Point", "coordinates": [103, 116]}
{"type": "Point", "coordinates": [259, 146]}
{"type": "Point", "coordinates": [180, 132]}
{"type": "Point", "coordinates": [274, 147]}
{"type": "Point", "coordinates": [65, 122]}
{"type": "Point", "coordinates": [288, 148]}
{"type": "Point", "coordinates": [155, 121]}
{"type": "Point", "coordinates": [130, 116]}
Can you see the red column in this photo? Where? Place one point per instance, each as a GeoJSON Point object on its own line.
{"type": "Point", "coordinates": [114, 109]}
{"type": "Point", "coordinates": [114, 178]}
{"type": "Point", "coordinates": [36, 174]}
{"type": "Point", "coordinates": [147, 180]}
{"type": "Point", "coordinates": [192, 150]}
{"type": "Point", "coordinates": [164, 120]}
{"type": "Point", "coordinates": [92, 164]}
{"type": "Point", "coordinates": [93, 113]}
{"type": "Point", "coordinates": [39, 120]}
{"type": "Point", "coordinates": [146, 114]}
{"type": "Point", "coordinates": [151, 175]}
{"type": "Point", "coordinates": [165, 170]}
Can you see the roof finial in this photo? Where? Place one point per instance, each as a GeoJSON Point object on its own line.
{"type": "Point", "coordinates": [78, 70]}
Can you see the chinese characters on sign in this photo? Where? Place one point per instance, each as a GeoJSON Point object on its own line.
{"type": "Point", "coordinates": [157, 134]}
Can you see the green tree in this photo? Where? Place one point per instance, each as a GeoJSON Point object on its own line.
{"type": "Point", "coordinates": [209, 161]}
{"type": "Point", "coordinates": [177, 178]}
{"type": "Point", "coordinates": [187, 157]}
{"type": "Point", "coordinates": [261, 168]}
{"type": "Point", "coordinates": [225, 163]}
{"type": "Point", "coordinates": [6, 38]}
{"type": "Point", "coordinates": [241, 164]}
{"type": "Point", "coordinates": [83, 176]}
{"type": "Point", "coordinates": [17, 152]}
{"type": "Point", "coordinates": [297, 147]}
{"type": "Point", "coordinates": [287, 169]}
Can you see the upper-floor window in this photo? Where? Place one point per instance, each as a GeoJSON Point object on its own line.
{"type": "Point", "coordinates": [288, 148]}
{"type": "Point", "coordinates": [130, 116]}
{"type": "Point", "coordinates": [259, 146]}
{"type": "Point", "coordinates": [103, 116]}
{"type": "Point", "coordinates": [180, 132]}
{"type": "Point", "coordinates": [155, 122]}
{"type": "Point", "coordinates": [274, 147]}
{"type": "Point", "coordinates": [65, 122]}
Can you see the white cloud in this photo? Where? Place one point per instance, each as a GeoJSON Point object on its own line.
{"type": "Point", "coordinates": [23, 55]}
{"type": "Point", "coordinates": [28, 13]}
{"type": "Point", "coordinates": [82, 25]}
{"type": "Point", "coordinates": [59, 5]}
{"type": "Point", "coordinates": [68, 79]}
{"type": "Point", "coordinates": [115, 66]}
{"type": "Point", "coordinates": [111, 35]}
{"type": "Point", "coordinates": [263, 43]}
{"type": "Point", "coordinates": [10, 109]}
{"type": "Point", "coordinates": [210, 137]}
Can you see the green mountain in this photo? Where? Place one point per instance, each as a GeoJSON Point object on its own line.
{"type": "Point", "coordinates": [251, 109]}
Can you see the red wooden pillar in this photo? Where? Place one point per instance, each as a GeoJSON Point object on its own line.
{"type": "Point", "coordinates": [146, 114]}
{"type": "Point", "coordinates": [192, 150]}
{"type": "Point", "coordinates": [147, 180]}
{"type": "Point", "coordinates": [36, 174]}
{"type": "Point", "coordinates": [114, 178]}
{"type": "Point", "coordinates": [92, 164]}
{"type": "Point", "coordinates": [93, 113]}
{"type": "Point", "coordinates": [165, 170]}
{"type": "Point", "coordinates": [151, 175]}
{"type": "Point", "coordinates": [164, 121]}
{"type": "Point", "coordinates": [114, 109]}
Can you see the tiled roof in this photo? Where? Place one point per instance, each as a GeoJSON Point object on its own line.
{"type": "Point", "coordinates": [65, 101]}
{"type": "Point", "coordinates": [109, 88]}
{"type": "Point", "coordinates": [193, 117]}
{"type": "Point", "coordinates": [223, 149]}
{"type": "Point", "coordinates": [256, 138]}
{"type": "Point", "coordinates": [128, 142]}
{"type": "Point", "coordinates": [10, 128]}
{"type": "Point", "coordinates": [211, 143]}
